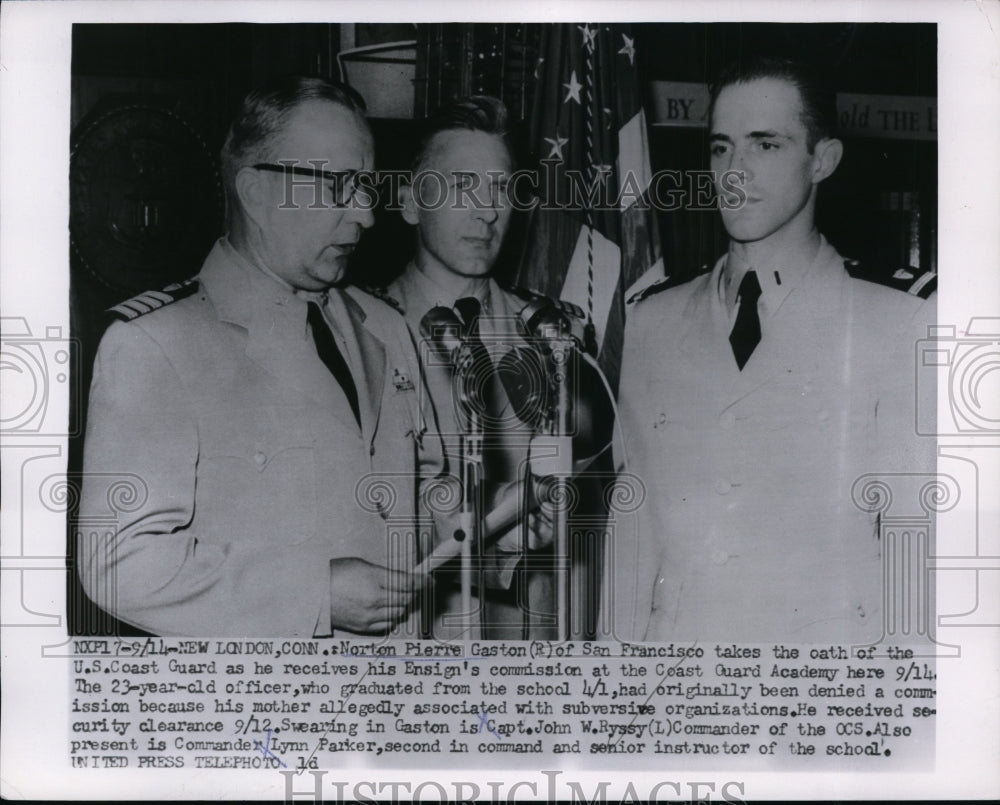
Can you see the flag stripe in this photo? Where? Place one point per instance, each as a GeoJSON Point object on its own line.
{"type": "Point", "coordinates": [633, 157]}
{"type": "Point", "coordinates": [588, 115]}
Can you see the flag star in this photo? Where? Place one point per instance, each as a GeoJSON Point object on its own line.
{"type": "Point", "coordinates": [589, 36]}
{"type": "Point", "coordinates": [629, 49]}
{"type": "Point", "coordinates": [574, 88]}
{"type": "Point", "coordinates": [557, 145]}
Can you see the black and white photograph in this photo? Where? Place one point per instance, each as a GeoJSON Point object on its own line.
{"type": "Point", "coordinates": [584, 403]}
{"type": "Point", "coordinates": [239, 434]}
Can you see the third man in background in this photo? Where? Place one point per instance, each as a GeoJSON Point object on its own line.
{"type": "Point", "coordinates": [457, 203]}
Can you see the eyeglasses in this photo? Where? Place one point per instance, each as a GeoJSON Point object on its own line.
{"type": "Point", "coordinates": [345, 183]}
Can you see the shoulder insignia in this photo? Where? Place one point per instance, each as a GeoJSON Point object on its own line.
{"type": "Point", "coordinates": [383, 295]}
{"type": "Point", "coordinates": [531, 296]}
{"type": "Point", "coordinates": [661, 285]}
{"type": "Point", "coordinates": [648, 291]}
{"type": "Point", "coordinates": [915, 281]}
{"type": "Point", "coordinates": [149, 301]}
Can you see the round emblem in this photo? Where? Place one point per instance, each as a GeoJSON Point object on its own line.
{"type": "Point", "coordinates": [145, 198]}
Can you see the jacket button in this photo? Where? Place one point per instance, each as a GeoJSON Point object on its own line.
{"type": "Point", "coordinates": [719, 557]}
{"type": "Point", "coordinates": [259, 458]}
{"type": "Point", "coordinates": [722, 486]}
{"type": "Point", "coordinates": [727, 419]}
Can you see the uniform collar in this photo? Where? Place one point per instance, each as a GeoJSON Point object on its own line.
{"type": "Point", "coordinates": [778, 276]}
{"type": "Point", "coordinates": [234, 254]}
{"type": "Point", "coordinates": [240, 287]}
{"type": "Point", "coordinates": [434, 293]}
{"type": "Point", "coordinates": [278, 339]}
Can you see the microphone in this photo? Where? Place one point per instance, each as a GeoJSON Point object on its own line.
{"type": "Point", "coordinates": [468, 309]}
{"type": "Point", "coordinates": [442, 329]}
{"type": "Point", "coordinates": [524, 378]}
{"type": "Point", "coordinates": [551, 326]}
{"type": "Point", "coordinates": [453, 335]}
{"type": "Point", "coordinates": [474, 364]}
{"type": "Point", "coordinates": [545, 320]}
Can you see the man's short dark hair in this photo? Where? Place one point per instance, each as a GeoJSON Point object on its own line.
{"type": "Point", "coordinates": [819, 101]}
{"type": "Point", "coordinates": [474, 113]}
{"type": "Point", "coordinates": [264, 114]}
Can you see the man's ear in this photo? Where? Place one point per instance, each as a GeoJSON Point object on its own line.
{"type": "Point", "coordinates": [826, 158]}
{"type": "Point", "coordinates": [252, 191]}
{"type": "Point", "coordinates": [408, 203]}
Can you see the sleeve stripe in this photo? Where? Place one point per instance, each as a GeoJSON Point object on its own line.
{"type": "Point", "coordinates": [136, 305]}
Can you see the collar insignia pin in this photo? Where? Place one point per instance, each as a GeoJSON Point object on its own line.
{"type": "Point", "coordinates": [401, 381]}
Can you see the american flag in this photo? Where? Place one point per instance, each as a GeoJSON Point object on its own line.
{"type": "Point", "coordinates": [588, 118]}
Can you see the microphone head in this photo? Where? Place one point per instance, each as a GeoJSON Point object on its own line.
{"type": "Point", "coordinates": [468, 309]}
{"type": "Point", "coordinates": [442, 329]}
{"type": "Point", "coordinates": [544, 320]}
{"type": "Point", "coordinates": [523, 375]}
{"type": "Point", "coordinates": [474, 364]}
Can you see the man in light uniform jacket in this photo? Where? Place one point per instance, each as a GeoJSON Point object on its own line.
{"type": "Point", "coordinates": [754, 396]}
{"type": "Point", "coordinates": [269, 419]}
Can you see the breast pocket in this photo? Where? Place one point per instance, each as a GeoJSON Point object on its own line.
{"type": "Point", "coordinates": [257, 478]}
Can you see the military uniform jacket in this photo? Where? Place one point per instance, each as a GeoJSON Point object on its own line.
{"type": "Point", "coordinates": [498, 329]}
{"type": "Point", "coordinates": [251, 470]}
{"type": "Point", "coordinates": [748, 530]}
{"type": "Point", "coordinates": [506, 444]}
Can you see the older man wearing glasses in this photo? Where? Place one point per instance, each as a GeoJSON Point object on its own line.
{"type": "Point", "coordinates": [269, 419]}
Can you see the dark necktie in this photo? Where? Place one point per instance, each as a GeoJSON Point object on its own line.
{"type": "Point", "coordinates": [326, 348]}
{"type": "Point", "coordinates": [478, 372]}
{"type": "Point", "coordinates": [746, 331]}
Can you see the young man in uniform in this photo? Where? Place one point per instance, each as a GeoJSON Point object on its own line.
{"type": "Point", "coordinates": [754, 397]}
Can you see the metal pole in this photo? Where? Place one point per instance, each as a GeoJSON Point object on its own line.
{"type": "Point", "coordinates": [471, 516]}
{"type": "Point", "coordinates": [562, 351]}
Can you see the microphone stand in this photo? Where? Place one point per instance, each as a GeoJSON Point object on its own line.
{"type": "Point", "coordinates": [561, 354]}
{"type": "Point", "coordinates": [470, 530]}
{"type": "Point", "coordinates": [552, 329]}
